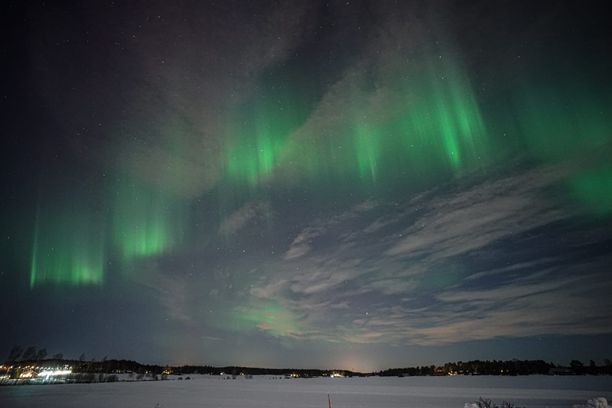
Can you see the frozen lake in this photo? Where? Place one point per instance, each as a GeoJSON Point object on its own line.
{"type": "Point", "coordinates": [373, 392]}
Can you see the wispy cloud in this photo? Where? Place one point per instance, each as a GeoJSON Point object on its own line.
{"type": "Point", "coordinates": [364, 278]}
{"type": "Point", "coordinates": [240, 218]}
{"type": "Point", "coordinates": [423, 270]}
{"type": "Point", "coordinates": [301, 245]}
{"type": "Point", "coordinates": [464, 221]}
{"type": "Point", "coordinates": [520, 266]}
{"type": "Point", "coordinates": [517, 310]}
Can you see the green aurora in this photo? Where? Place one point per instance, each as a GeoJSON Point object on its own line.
{"type": "Point", "coordinates": [435, 128]}
{"type": "Point", "coordinates": [146, 222]}
{"type": "Point", "coordinates": [564, 123]}
{"type": "Point", "coordinates": [343, 184]}
{"type": "Point", "coordinates": [259, 133]}
{"type": "Point", "coordinates": [265, 316]}
{"type": "Point", "coordinates": [593, 188]}
{"type": "Point", "coordinates": [68, 249]}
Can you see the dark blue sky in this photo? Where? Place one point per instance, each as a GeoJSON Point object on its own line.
{"type": "Point", "coordinates": [320, 184]}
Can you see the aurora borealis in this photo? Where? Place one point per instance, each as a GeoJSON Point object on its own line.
{"type": "Point", "coordinates": [145, 222]}
{"type": "Point", "coordinates": [67, 249]}
{"type": "Point", "coordinates": [314, 184]}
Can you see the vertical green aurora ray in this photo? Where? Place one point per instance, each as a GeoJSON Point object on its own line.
{"type": "Point", "coordinates": [34, 270]}
{"type": "Point", "coordinates": [68, 248]}
{"type": "Point", "coordinates": [146, 221]}
{"type": "Point", "coordinates": [442, 119]}
{"type": "Point", "coordinates": [417, 124]}
{"type": "Point", "coordinates": [259, 133]}
{"type": "Point", "coordinates": [368, 150]}
{"type": "Point", "coordinates": [437, 127]}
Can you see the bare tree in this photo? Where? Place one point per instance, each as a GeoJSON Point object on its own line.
{"type": "Point", "coordinates": [15, 353]}
{"type": "Point", "coordinates": [29, 354]}
{"type": "Point", "coordinates": [42, 353]}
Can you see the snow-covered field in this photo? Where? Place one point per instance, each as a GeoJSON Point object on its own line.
{"type": "Point", "coordinates": [374, 392]}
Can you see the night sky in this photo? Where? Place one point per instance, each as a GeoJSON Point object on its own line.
{"type": "Point", "coordinates": [345, 184]}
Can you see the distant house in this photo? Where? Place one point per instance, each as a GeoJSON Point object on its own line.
{"type": "Point", "coordinates": [560, 371]}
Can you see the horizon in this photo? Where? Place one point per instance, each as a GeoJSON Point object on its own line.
{"type": "Point", "coordinates": [597, 364]}
{"type": "Point", "coordinates": [332, 184]}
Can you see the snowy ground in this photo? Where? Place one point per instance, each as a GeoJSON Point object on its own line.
{"type": "Point", "coordinates": [409, 392]}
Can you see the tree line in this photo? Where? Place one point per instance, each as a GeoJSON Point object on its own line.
{"type": "Point", "coordinates": [503, 367]}
{"type": "Point", "coordinates": [31, 355]}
